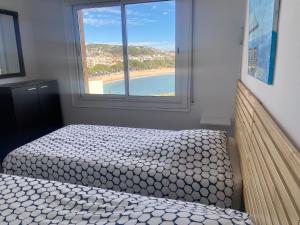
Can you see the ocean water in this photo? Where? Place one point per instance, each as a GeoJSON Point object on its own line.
{"type": "Point", "coordinates": [144, 86]}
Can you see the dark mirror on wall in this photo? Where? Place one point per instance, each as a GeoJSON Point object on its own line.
{"type": "Point", "coordinates": [11, 56]}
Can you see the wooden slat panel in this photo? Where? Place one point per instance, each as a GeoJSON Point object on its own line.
{"type": "Point", "coordinates": [247, 93]}
{"type": "Point", "coordinates": [260, 212]}
{"type": "Point", "coordinates": [279, 168]}
{"type": "Point", "coordinates": [288, 151]}
{"type": "Point", "coordinates": [271, 190]}
{"type": "Point", "coordinates": [270, 164]}
{"type": "Point", "coordinates": [242, 137]}
{"type": "Point", "coordinates": [245, 115]}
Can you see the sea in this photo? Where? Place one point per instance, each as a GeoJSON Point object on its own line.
{"type": "Point", "coordinates": [144, 86]}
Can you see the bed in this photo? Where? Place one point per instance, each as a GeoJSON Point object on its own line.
{"type": "Point", "coordinates": [190, 165]}
{"type": "Point", "coordinates": [32, 201]}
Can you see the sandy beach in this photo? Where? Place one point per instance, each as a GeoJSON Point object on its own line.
{"type": "Point", "coordinates": [133, 74]}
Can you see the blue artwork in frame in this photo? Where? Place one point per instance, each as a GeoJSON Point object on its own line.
{"type": "Point", "coordinates": [263, 25]}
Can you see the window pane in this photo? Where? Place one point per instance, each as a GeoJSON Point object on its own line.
{"type": "Point", "coordinates": [151, 48]}
{"type": "Point", "coordinates": [102, 50]}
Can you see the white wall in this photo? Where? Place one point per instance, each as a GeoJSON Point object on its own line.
{"type": "Point", "coordinates": [283, 98]}
{"type": "Point", "coordinates": [24, 8]}
{"type": "Point", "coordinates": [217, 60]}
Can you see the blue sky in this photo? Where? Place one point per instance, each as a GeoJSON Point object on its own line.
{"type": "Point", "coordinates": [148, 24]}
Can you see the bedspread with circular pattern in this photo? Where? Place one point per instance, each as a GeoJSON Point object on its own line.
{"type": "Point", "coordinates": [190, 165]}
{"type": "Point", "coordinates": [32, 201]}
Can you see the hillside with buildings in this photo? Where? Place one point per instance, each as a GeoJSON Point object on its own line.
{"type": "Point", "coordinates": [103, 59]}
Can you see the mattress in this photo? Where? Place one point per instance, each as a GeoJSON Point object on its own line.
{"type": "Point", "coordinates": [26, 200]}
{"type": "Point", "coordinates": [190, 165]}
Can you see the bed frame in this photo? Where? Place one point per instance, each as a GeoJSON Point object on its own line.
{"type": "Point", "coordinates": [270, 164]}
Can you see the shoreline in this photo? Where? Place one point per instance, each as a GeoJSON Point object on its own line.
{"type": "Point", "coordinates": [133, 75]}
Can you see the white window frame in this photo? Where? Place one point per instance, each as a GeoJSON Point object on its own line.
{"type": "Point", "coordinates": [179, 102]}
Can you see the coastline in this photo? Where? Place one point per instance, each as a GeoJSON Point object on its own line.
{"type": "Point", "coordinates": [133, 75]}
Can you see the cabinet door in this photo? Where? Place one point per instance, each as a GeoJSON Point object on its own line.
{"type": "Point", "coordinates": [50, 106]}
{"type": "Point", "coordinates": [27, 112]}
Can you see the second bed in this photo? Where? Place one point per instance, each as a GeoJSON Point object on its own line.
{"type": "Point", "coordinates": [32, 201]}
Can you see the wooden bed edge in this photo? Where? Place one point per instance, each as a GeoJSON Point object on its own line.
{"type": "Point", "coordinates": [270, 163]}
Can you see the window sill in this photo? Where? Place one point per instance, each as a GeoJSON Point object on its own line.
{"type": "Point", "coordinates": [132, 102]}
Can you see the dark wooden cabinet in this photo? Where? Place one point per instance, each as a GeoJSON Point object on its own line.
{"type": "Point", "coordinates": [29, 110]}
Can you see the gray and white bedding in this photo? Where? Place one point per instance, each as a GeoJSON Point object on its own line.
{"type": "Point", "coordinates": [32, 201]}
{"type": "Point", "coordinates": [190, 165]}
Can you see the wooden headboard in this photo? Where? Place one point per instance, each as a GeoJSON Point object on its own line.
{"type": "Point", "coordinates": [270, 164]}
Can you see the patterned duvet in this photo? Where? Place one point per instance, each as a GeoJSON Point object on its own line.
{"type": "Point", "coordinates": [33, 201]}
{"type": "Point", "coordinates": [190, 165]}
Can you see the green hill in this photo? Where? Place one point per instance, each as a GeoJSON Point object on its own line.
{"type": "Point", "coordinates": [109, 58]}
{"type": "Point", "coordinates": [117, 50]}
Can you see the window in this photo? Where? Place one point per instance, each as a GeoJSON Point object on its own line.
{"type": "Point", "coordinates": [102, 50]}
{"type": "Point", "coordinates": [151, 48]}
{"type": "Point", "coordinates": [130, 51]}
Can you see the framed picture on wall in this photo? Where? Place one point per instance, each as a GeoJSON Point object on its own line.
{"type": "Point", "coordinates": [263, 26]}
